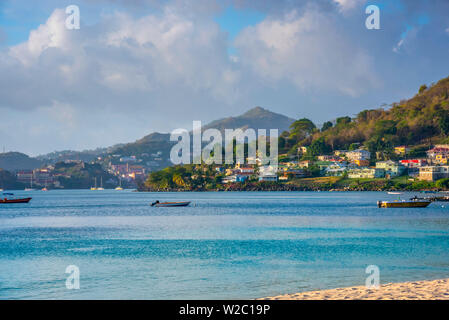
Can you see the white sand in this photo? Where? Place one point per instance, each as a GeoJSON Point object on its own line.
{"type": "Point", "coordinates": [417, 290]}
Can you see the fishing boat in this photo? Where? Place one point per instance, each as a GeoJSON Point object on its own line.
{"type": "Point", "coordinates": [170, 204]}
{"type": "Point", "coordinates": [6, 199]}
{"type": "Point", "coordinates": [403, 204]}
{"type": "Point", "coordinates": [391, 192]}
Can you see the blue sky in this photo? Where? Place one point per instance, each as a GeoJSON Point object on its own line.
{"type": "Point", "coordinates": [233, 21]}
{"type": "Point", "coordinates": [141, 66]}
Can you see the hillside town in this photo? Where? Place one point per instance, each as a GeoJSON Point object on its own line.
{"type": "Point", "coordinates": [358, 163]}
{"type": "Point", "coordinates": [353, 164]}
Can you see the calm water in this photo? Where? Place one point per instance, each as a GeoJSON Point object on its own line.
{"type": "Point", "coordinates": [226, 246]}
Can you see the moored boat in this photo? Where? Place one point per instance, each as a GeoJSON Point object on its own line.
{"type": "Point", "coordinates": [403, 204]}
{"type": "Point", "coordinates": [170, 204]}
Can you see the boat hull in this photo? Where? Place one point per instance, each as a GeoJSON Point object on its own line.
{"type": "Point", "coordinates": [403, 204]}
{"type": "Point", "coordinates": [24, 200]}
{"type": "Point", "coordinates": [172, 204]}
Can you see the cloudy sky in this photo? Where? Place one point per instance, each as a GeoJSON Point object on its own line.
{"type": "Point", "coordinates": [139, 66]}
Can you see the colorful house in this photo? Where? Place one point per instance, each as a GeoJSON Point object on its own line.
{"type": "Point", "coordinates": [401, 150]}
{"type": "Point", "coordinates": [439, 154]}
{"type": "Point", "coordinates": [392, 168]}
{"type": "Point", "coordinates": [433, 173]}
{"type": "Point", "coordinates": [359, 154]}
{"type": "Point", "coordinates": [367, 173]}
{"type": "Point", "coordinates": [361, 163]}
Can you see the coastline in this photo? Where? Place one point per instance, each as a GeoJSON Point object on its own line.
{"type": "Point", "coordinates": [413, 290]}
{"type": "Point", "coordinates": [400, 184]}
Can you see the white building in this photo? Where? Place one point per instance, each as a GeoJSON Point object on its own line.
{"type": "Point", "coordinates": [358, 154]}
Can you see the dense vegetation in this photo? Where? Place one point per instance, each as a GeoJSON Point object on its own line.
{"type": "Point", "coordinates": [82, 175]}
{"type": "Point", "coordinates": [420, 121]}
{"type": "Point", "coordinates": [9, 181]}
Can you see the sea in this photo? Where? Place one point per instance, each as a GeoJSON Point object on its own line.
{"type": "Point", "coordinates": [225, 245]}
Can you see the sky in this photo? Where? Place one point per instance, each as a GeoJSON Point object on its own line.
{"type": "Point", "coordinates": [140, 66]}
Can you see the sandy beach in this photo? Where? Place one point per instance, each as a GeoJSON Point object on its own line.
{"type": "Point", "coordinates": [416, 290]}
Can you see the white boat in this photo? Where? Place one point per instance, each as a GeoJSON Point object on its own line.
{"type": "Point", "coordinates": [101, 184]}
{"type": "Point", "coordinates": [119, 186]}
{"type": "Point", "coordinates": [31, 185]}
{"type": "Point", "coordinates": [391, 192]}
{"type": "Point", "coordinates": [94, 188]}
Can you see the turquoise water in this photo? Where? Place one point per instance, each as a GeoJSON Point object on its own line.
{"type": "Point", "coordinates": [234, 245]}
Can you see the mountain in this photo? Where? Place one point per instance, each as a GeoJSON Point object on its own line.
{"type": "Point", "coordinates": [256, 118]}
{"type": "Point", "coordinates": [15, 161]}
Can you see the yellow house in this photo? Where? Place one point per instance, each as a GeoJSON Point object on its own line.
{"type": "Point", "coordinates": [302, 149]}
{"type": "Point", "coordinates": [401, 150]}
{"type": "Point", "coordinates": [361, 163]}
{"type": "Point", "coordinates": [441, 159]}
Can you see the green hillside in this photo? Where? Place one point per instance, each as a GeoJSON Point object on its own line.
{"type": "Point", "coordinates": [16, 161]}
{"type": "Point", "coordinates": [420, 121]}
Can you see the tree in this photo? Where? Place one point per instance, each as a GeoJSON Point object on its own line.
{"type": "Point", "coordinates": [318, 147]}
{"type": "Point", "coordinates": [422, 89]}
{"type": "Point", "coordinates": [343, 120]}
{"type": "Point", "coordinates": [442, 183]}
{"type": "Point", "coordinates": [301, 129]}
{"type": "Point", "coordinates": [443, 123]}
{"type": "Point", "coordinates": [326, 125]}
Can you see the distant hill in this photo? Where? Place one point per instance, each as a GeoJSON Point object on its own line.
{"type": "Point", "coordinates": [256, 118]}
{"type": "Point", "coordinates": [85, 155]}
{"type": "Point", "coordinates": [15, 161]}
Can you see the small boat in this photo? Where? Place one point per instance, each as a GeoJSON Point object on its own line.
{"type": "Point", "coordinates": [101, 184]}
{"type": "Point", "coordinates": [14, 200]}
{"type": "Point", "coordinates": [44, 189]}
{"type": "Point", "coordinates": [403, 204]}
{"type": "Point", "coordinates": [119, 187]}
{"type": "Point", "coordinates": [433, 199]}
{"type": "Point", "coordinates": [170, 204]}
{"type": "Point", "coordinates": [94, 188]}
{"type": "Point", "coordinates": [391, 192]}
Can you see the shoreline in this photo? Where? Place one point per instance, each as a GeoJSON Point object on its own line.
{"type": "Point", "coordinates": [412, 290]}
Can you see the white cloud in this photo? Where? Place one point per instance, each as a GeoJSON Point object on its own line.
{"type": "Point", "coordinates": [119, 61]}
{"type": "Point", "coordinates": [308, 51]}
{"type": "Point", "coordinates": [406, 37]}
{"type": "Point", "coordinates": [346, 5]}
